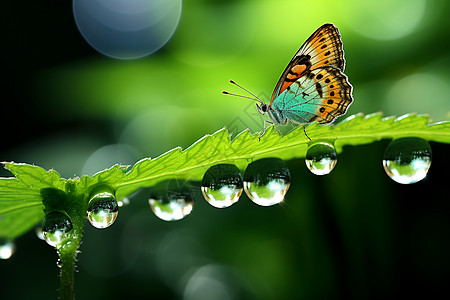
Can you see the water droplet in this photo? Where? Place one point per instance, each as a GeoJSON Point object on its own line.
{"type": "Point", "coordinates": [266, 181]}
{"type": "Point", "coordinates": [407, 160]}
{"type": "Point", "coordinates": [171, 201]}
{"type": "Point", "coordinates": [123, 202]}
{"type": "Point", "coordinates": [59, 263]}
{"type": "Point", "coordinates": [7, 248]}
{"type": "Point", "coordinates": [222, 185]}
{"type": "Point", "coordinates": [102, 210]}
{"type": "Point", "coordinates": [39, 233]}
{"type": "Point", "coordinates": [57, 228]}
{"type": "Point", "coordinates": [321, 158]}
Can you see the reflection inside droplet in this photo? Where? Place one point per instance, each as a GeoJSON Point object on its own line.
{"type": "Point", "coordinates": [321, 158]}
{"type": "Point", "coordinates": [171, 200]}
{"type": "Point", "coordinates": [222, 185]}
{"type": "Point", "coordinates": [266, 181]}
{"type": "Point", "coordinates": [407, 160]}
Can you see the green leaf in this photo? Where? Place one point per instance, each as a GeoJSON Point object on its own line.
{"type": "Point", "coordinates": [193, 162]}
{"type": "Point", "coordinates": [35, 177]}
{"type": "Point", "coordinates": [21, 205]}
{"type": "Point", "coordinates": [15, 195]}
{"type": "Point", "coordinates": [109, 177]}
{"type": "Point", "coordinates": [15, 223]}
{"type": "Point", "coordinates": [21, 201]}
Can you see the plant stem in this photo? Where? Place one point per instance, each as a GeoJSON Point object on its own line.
{"type": "Point", "coordinates": [67, 261]}
{"type": "Point", "coordinates": [67, 251]}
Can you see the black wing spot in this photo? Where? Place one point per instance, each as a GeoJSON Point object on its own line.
{"type": "Point", "coordinates": [331, 86]}
{"type": "Point", "coordinates": [322, 109]}
{"type": "Point", "coordinates": [332, 93]}
{"type": "Point", "coordinates": [322, 40]}
{"type": "Point", "coordinates": [304, 60]}
{"type": "Point", "coordinates": [327, 53]}
{"type": "Point", "coordinates": [323, 46]}
{"type": "Point", "coordinates": [319, 76]}
{"type": "Point", "coordinates": [330, 101]}
{"type": "Point", "coordinates": [327, 80]}
{"type": "Point", "coordinates": [319, 89]}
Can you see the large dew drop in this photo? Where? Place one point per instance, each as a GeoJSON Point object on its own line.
{"type": "Point", "coordinates": [407, 160]}
{"type": "Point", "coordinates": [222, 185]}
{"type": "Point", "coordinates": [7, 248]}
{"type": "Point", "coordinates": [172, 203]}
{"type": "Point", "coordinates": [321, 158]}
{"type": "Point", "coordinates": [266, 181]}
{"type": "Point", "coordinates": [57, 228]}
{"type": "Point", "coordinates": [102, 210]}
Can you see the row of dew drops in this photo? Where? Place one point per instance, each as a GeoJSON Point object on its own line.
{"type": "Point", "coordinates": [265, 181]}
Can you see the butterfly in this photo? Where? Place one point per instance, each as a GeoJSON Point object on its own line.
{"type": "Point", "coordinates": [313, 86]}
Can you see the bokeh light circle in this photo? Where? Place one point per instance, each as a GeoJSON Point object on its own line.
{"type": "Point", "coordinates": [422, 93]}
{"type": "Point", "coordinates": [127, 29]}
{"type": "Point", "coordinates": [383, 19]}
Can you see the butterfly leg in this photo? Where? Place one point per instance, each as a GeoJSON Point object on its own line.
{"type": "Point", "coordinates": [294, 126]}
{"type": "Point", "coordinates": [265, 127]}
{"type": "Point", "coordinates": [304, 130]}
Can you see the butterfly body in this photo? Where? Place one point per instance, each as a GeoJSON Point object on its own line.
{"type": "Point", "coordinates": [313, 86]}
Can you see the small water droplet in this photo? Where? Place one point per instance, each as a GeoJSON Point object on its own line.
{"type": "Point", "coordinates": [222, 185]}
{"type": "Point", "coordinates": [39, 233]}
{"type": "Point", "coordinates": [123, 202]}
{"type": "Point", "coordinates": [171, 201]}
{"type": "Point", "coordinates": [7, 248]}
{"type": "Point", "coordinates": [407, 160]}
{"type": "Point", "coordinates": [266, 181]}
{"type": "Point", "coordinates": [56, 227]}
{"type": "Point", "coordinates": [321, 158]}
{"type": "Point", "coordinates": [102, 210]}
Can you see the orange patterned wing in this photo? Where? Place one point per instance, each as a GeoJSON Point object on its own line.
{"type": "Point", "coordinates": [322, 48]}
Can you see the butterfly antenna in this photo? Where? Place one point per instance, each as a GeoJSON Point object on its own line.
{"type": "Point", "coordinates": [255, 98]}
{"type": "Point", "coordinates": [242, 96]}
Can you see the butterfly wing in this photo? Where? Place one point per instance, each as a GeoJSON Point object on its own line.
{"type": "Point", "coordinates": [313, 86]}
{"type": "Point", "coordinates": [321, 95]}
{"type": "Point", "coordinates": [322, 48]}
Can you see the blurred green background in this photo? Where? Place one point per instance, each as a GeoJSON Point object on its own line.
{"type": "Point", "coordinates": [353, 234]}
